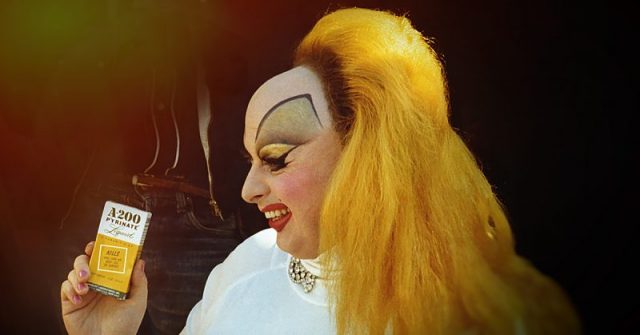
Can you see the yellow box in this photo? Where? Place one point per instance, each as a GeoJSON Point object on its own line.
{"type": "Point", "coordinates": [118, 245]}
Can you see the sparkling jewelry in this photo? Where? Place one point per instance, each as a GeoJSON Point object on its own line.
{"type": "Point", "coordinates": [300, 275]}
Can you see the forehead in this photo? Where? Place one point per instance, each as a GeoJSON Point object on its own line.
{"type": "Point", "coordinates": [285, 86]}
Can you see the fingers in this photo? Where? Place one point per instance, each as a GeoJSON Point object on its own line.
{"type": "Point", "coordinates": [72, 289]}
{"type": "Point", "coordinates": [88, 249]}
{"type": "Point", "coordinates": [81, 267]}
{"type": "Point", "coordinates": [80, 287]}
{"type": "Point", "coordinates": [68, 293]}
{"type": "Point", "coordinates": [75, 286]}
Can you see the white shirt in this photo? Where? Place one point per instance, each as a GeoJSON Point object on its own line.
{"type": "Point", "coordinates": [251, 293]}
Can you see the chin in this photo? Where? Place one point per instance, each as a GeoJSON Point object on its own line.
{"type": "Point", "coordinates": [283, 243]}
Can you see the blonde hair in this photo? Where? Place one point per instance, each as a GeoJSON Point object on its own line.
{"type": "Point", "coordinates": [419, 240]}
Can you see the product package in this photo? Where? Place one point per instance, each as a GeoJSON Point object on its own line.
{"type": "Point", "coordinates": [118, 245]}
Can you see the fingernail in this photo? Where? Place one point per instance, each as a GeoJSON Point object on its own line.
{"type": "Point", "coordinates": [83, 273]}
{"type": "Point", "coordinates": [76, 299]}
{"type": "Point", "coordinates": [82, 286]}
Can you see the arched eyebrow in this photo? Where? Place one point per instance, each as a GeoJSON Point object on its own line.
{"type": "Point", "coordinates": [284, 102]}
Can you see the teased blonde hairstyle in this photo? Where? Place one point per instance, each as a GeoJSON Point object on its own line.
{"type": "Point", "coordinates": [421, 243]}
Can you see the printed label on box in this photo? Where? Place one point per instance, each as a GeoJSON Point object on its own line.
{"type": "Point", "coordinates": [112, 258]}
{"type": "Point", "coordinates": [118, 245]}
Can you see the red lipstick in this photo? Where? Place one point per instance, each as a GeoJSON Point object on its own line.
{"type": "Point", "coordinates": [280, 222]}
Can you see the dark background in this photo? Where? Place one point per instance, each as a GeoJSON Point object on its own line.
{"type": "Point", "coordinates": [539, 90]}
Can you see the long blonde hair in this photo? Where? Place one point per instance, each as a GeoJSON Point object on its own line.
{"type": "Point", "coordinates": [419, 239]}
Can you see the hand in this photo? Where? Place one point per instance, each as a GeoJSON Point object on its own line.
{"type": "Point", "coordinates": [87, 312]}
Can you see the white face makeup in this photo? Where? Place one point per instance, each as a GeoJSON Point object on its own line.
{"type": "Point", "coordinates": [286, 125]}
{"type": "Point", "coordinates": [293, 147]}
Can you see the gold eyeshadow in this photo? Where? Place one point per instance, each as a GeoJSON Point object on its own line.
{"type": "Point", "coordinates": [275, 150]}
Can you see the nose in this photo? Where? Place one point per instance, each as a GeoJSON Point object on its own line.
{"type": "Point", "coordinates": [254, 187]}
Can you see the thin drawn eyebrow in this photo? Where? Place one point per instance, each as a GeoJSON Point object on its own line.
{"type": "Point", "coordinates": [276, 106]}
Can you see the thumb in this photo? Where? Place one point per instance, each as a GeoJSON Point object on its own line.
{"type": "Point", "coordinates": [138, 290]}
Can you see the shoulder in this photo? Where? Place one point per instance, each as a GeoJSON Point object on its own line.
{"type": "Point", "coordinates": [260, 241]}
{"type": "Point", "coordinates": [255, 253]}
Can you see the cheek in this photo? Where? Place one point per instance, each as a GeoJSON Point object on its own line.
{"type": "Point", "coordinates": [302, 191]}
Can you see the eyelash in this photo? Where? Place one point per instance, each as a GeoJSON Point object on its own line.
{"type": "Point", "coordinates": [276, 164]}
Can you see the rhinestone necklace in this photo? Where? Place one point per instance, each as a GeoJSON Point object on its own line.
{"type": "Point", "coordinates": [300, 275]}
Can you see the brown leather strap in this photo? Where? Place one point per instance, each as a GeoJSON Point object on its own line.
{"type": "Point", "coordinates": [145, 180]}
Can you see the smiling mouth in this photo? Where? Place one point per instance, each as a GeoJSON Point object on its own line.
{"type": "Point", "coordinates": [275, 214]}
{"type": "Point", "coordinates": [278, 218]}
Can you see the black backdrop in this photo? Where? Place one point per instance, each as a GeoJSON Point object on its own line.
{"type": "Point", "coordinates": [538, 90]}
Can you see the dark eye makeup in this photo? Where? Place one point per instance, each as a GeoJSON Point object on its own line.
{"type": "Point", "coordinates": [274, 155]}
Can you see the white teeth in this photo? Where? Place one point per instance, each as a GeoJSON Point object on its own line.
{"type": "Point", "coordinates": [276, 213]}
